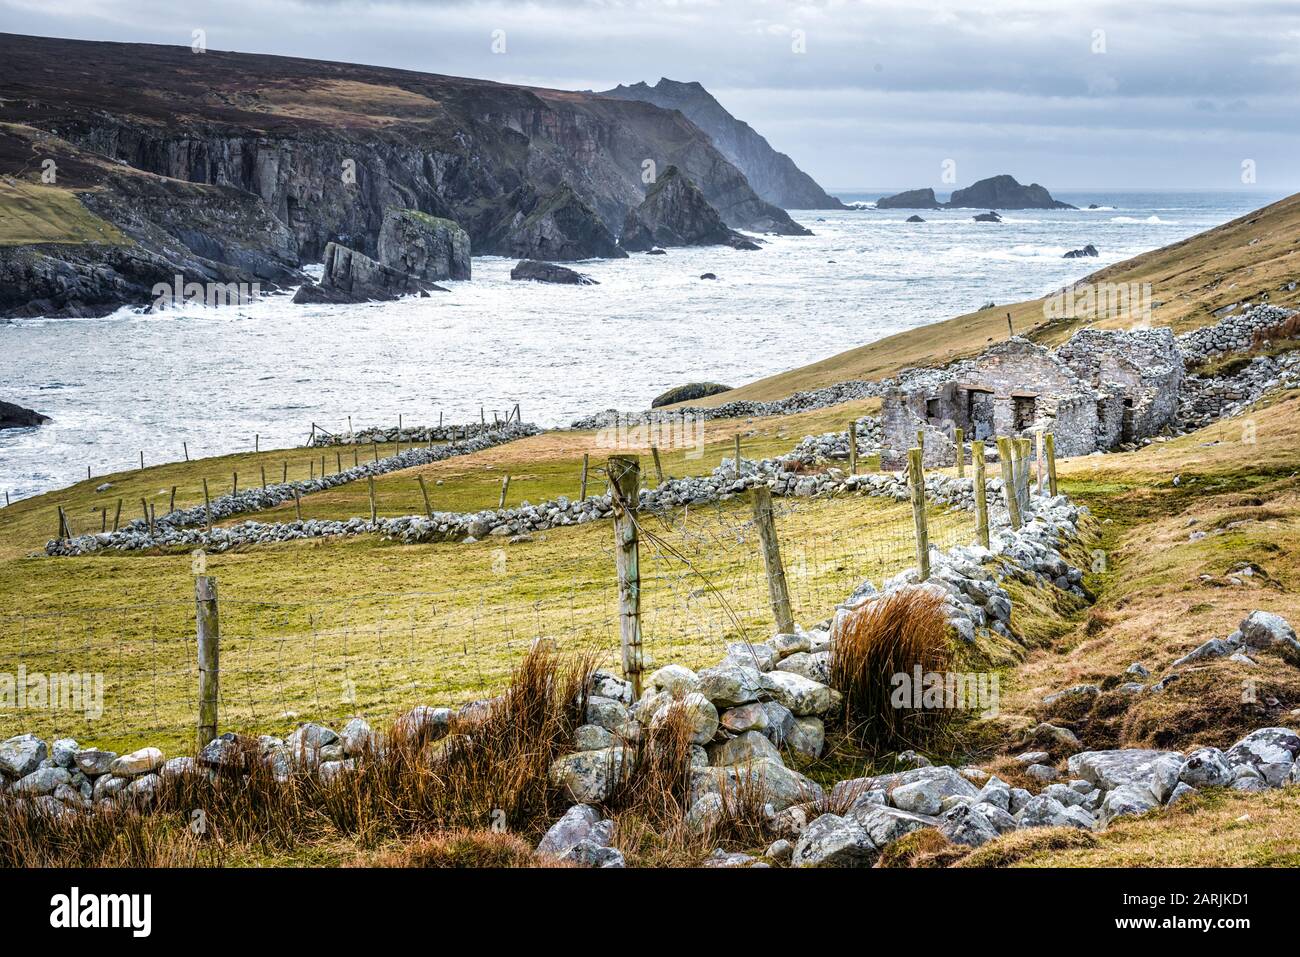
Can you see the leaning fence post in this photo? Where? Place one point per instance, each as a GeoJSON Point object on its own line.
{"type": "Point", "coordinates": [1050, 440]}
{"type": "Point", "coordinates": [208, 629]}
{"type": "Point", "coordinates": [737, 455]}
{"type": "Point", "coordinates": [625, 487]}
{"type": "Point", "coordinates": [777, 591]}
{"type": "Point", "coordinates": [207, 506]}
{"type": "Point", "coordinates": [1038, 458]}
{"type": "Point", "coordinates": [916, 482]}
{"type": "Point", "coordinates": [374, 511]}
{"type": "Point", "coordinates": [505, 487]}
{"type": "Point", "coordinates": [117, 514]}
{"type": "Point", "coordinates": [582, 490]}
{"type": "Point", "coordinates": [659, 469]}
{"type": "Point", "coordinates": [853, 446]}
{"type": "Point", "coordinates": [1005, 456]}
{"type": "Point", "coordinates": [981, 495]}
{"type": "Point", "coordinates": [961, 453]}
{"type": "Point", "coordinates": [424, 490]}
{"type": "Point", "coordinates": [1026, 449]}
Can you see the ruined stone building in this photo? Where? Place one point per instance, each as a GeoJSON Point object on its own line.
{"type": "Point", "coordinates": [1097, 391]}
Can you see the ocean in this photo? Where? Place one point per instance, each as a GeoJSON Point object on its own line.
{"type": "Point", "coordinates": [216, 377]}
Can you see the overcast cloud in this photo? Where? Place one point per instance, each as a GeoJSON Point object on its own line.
{"type": "Point", "coordinates": [1174, 94]}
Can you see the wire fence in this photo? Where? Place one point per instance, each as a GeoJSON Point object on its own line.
{"type": "Point", "coordinates": [333, 653]}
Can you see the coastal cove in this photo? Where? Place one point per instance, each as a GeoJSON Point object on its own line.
{"type": "Point", "coordinates": [216, 378]}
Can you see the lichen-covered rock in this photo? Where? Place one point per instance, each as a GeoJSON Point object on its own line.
{"type": "Point", "coordinates": [64, 751]}
{"type": "Point", "coordinates": [93, 762]}
{"type": "Point", "coordinates": [747, 717]}
{"type": "Point", "coordinates": [729, 685]}
{"type": "Point", "coordinates": [592, 737]}
{"type": "Point", "coordinates": [560, 227]}
{"type": "Point", "coordinates": [1111, 769]}
{"type": "Point", "coordinates": [573, 826]}
{"type": "Point", "coordinates": [834, 841]}
{"type": "Point", "coordinates": [748, 747]}
{"type": "Point", "coordinates": [884, 825]}
{"type": "Point", "coordinates": [41, 781]}
{"type": "Point", "coordinates": [1127, 799]}
{"type": "Point", "coordinates": [589, 777]}
{"type": "Point", "coordinates": [21, 755]}
{"type": "Point", "coordinates": [357, 737]}
{"type": "Point", "coordinates": [967, 824]}
{"type": "Point", "coordinates": [1265, 746]}
{"type": "Point", "coordinates": [606, 712]}
{"type": "Point", "coordinates": [778, 785]}
{"type": "Point", "coordinates": [1206, 767]}
{"type": "Point", "coordinates": [801, 695]}
{"type": "Point", "coordinates": [674, 679]}
{"type": "Point", "coordinates": [700, 714]}
{"type": "Point", "coordinates": [808, 736]}
{"type": "Point", "coordinates": [1262, 629]}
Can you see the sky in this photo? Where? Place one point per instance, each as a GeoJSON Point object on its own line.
{"type": "Point", "coordinates": [1073, 95]}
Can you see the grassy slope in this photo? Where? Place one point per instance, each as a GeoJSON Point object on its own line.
{"type": "Point", "coordinates": [49, 214]}
{"type": "Point", "coordinates": [1243, 259]}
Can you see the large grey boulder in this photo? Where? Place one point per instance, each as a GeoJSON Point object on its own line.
{"type": "Point", "coordinates": [1045, 811]}
{"type": "Point", "coordinates": [967, 824]}
{"type": "Point", "coordinates": [729, 685]}
{"type": "Point", "coordinates": [746, 748]}
{"type": "Point", "coordinates": [41, 781]}
{"type": "Point", "coordinates": [64, 751]}
{"type": "Point", "coordinates": [777, 785]}
{"type": "Point", "coordinates": [1262, 629]}
{"type": "Point", "coordinates": [592, 737]}
{"type": "Point", "coordinates": [573, 826]}
{"type": "Point", "coordinates": [21, 755]}
{"type": "Point", "coordinates": [1111, 769]}
{"type": "Point", "coordinates": [535, 270]}
{"type": "Point", "coordinates": [808, 736]}
{"type": "Point", "coordinates": [423, 246]}
{"type": "Point", "coordinates": [1127, 799]}
{"type": "Point", "coordinates": [357, 737]}
{"type": "Point", "coordinates": [1206, 768]}
{"type": "Point", "coordinates": [884, 825]}
{"type": "Point", "coordinates": [801, 695]}
{"type": "Point", "coordinates": [1214, 648]}
{"type": "Point", "coordinates": [589, 777]}
{"type": "Point", "coordinates": [833, 841]}
{"type": "Point", "coordinates": [93, 762]}
{"type": "Point", "coordinates": [746, 717]}
{"type": "Point", "coordinates": [1265, 746]}
{"type": "Point", "coordinates": [674, 679]}
{"type": "Point", "coordinates": [606, 712]}
{"type": "Point", "coordinates": [700, 714]}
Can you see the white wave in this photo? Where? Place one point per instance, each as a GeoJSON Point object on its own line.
{"type": "Point", "coordinates": [1150, 220]}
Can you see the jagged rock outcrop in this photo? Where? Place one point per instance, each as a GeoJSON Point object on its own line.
{"type": "Point", "coordinates": [549, 272]}
{"type": "Point", "coordinates": [561, 227]}
{"type": "Point", "coordinates": [675, 213]}
{"type": "Point", "coordinates": [774, 176]}
{"type": "Point", "coordinates": [1086, 251]}
{"type": "Point", "coordinates": [1003, 192]}
{"type": "Point", "coordinates": [253, 163]}
{"type": "Point", "coordinates": [910, 199]}
{"type": "Point", "coordinates": [16, 417]}
{"type": "Point", "coordinates": [351, 276]}
{"type": "Point", "coordinates": [996, 192]}
{"type": "Point", "coordinates": [989, 217]}
{"type": "Point", "coordinates": [426, 247]}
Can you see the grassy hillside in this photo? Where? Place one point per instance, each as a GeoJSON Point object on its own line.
{"type": "Point", "coordinates": [1254, 257]}
{"type": "Point", "coordinates": [49, 214]}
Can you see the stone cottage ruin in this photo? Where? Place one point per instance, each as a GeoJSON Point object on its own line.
{"type": "Point", "coordinates": [1100, 390]}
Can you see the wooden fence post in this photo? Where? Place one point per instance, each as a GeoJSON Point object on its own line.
{"type": "Point", "coordinates": [1006, 458]}
{"type": "Point", "coordinates": [853, 446]}
{"type": "Point", "coordinates": [297, 503]}
{"type": "Point", "coordinates": [981, 495]}
{"type": "Point", "coordinates": [1050, 440]}
{"type": "Point", "coordinates": [582, 493]}
{"type": "Point", "coordinates": [505, 487]}
{"type": "Point", "coordinates": [737, 455]}
{"type": "Point", "coordinates": [186, 447]}
{"type": "Point", "coordinates": [208, 622]}
{"type": "Point", "coordinates": [961, 453]}
{"type": "Point", "coordinates": [374, 511]}
{"type": "Point", "coordinates": [117, 514]}
{"type": "Point", "coordinates": [916, 483]}
{"type": "Point", "coordinates": [659, 469]}
{"type": "Point", "coordinates": [777, 591]}
{"type": "Point", "coordinates": [424, 491]}
{"type": "Point", "coordinates": [263, 476]}
{"type": "Point", "coordinates": [1026, 450]}
{"type": "Point", "coordinates": [234, 483]}
{"type": "Point", "coordinates": [625, 486]}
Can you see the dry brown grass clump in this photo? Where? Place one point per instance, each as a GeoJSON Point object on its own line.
{"type": "Point", "coordinates": [489, 771]}
{"type": "Point", "coordinates": [464, 848]}
{"type": "Point", "coordinates": [923, 848]}
{"type": "Point", "coordinates": [1018, 845]}
{"type": "Point", "coordinates": [886, 638]}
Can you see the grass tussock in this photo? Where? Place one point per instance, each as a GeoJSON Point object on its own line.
{"type": "Point", "coordinates": [462, 848]}
{"type": "Point", "coordinates": [891, 636]}
{"type": "Point", "coordinates": [923, 848]}
{"type": "Point", "coordinates": [1019, 845]}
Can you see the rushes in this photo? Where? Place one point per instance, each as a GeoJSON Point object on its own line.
{"type": "Point", "coordinates": [873, 645]}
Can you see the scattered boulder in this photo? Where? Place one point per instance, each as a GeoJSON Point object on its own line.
{"type": "Point", "coordinates": [575, 825]}
{"type": "Point", "coordinates": [1206, 767]}
{"type": "Point", "coordinates": [1263, 629]}
{"type": "Point", "coordinates": [21, 755]}
{"type": "Point", "coordinates": [1086, 251]}
{"type": "Point", "coordinates": [910, 199]}
{"type": "Point", "coordinates": [914, 219]}
{"type": "Point", "coordinates": [833, 841]}
{"type": "Point", "coordinates": [589, 777]}
{"type": "Point", "coordinates": [549, 272]}
{"type": "Point", "coordinates": [990, 217]}
{"type": "Point", "coordinates": [690, 391]}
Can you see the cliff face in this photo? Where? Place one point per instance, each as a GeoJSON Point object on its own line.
{"type": "Point", "coordinates": [301, 153]}
{"type": "Point", "coordinates": [772, 175]}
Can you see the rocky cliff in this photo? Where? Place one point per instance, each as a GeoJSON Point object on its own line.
{"type": "Point", "coordinates": [675, 213]}
{"type": "Point", "coordinates": [773, 175]}
{"type": "Point", "coordinates": [227, 166]}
